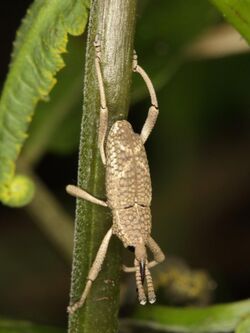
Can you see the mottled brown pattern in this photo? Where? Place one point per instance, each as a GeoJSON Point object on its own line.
{"type": "Point", "coordinates": [128, 184]}
{"type": "Point", "coordinates": [132, 224]}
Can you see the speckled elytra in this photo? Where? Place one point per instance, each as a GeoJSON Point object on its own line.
{"type": "Point", "coordinates": [128, 189]}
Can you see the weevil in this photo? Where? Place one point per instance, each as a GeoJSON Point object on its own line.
{"type": "Point", "coordinates": [128, 189]}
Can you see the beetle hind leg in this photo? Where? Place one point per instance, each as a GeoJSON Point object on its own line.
{"type": "Point", "coordinates": [103, 123]}
{"type": "Point", "coordinates": [153, 110]}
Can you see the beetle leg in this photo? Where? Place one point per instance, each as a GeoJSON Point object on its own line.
{"type": "Point", "coordinates": [127, 269]}
{"type": "Point", "coordinates": [79, 193]}
{"type": "Point", "coordinates": [157, 252]}
{"type": "Point", "coordinates": [94, 271]}
{"type": "Point", "coordinates": [103, 123]}
{"type": "Point", "coordinates": [151, 264]}
{"type": "Point", "coordinates": [132, 269]}
{"type": "Point", "coordinates": [153, 110]}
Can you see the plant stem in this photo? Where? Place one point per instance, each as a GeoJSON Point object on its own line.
{"type": "Point", "coordinates": [114, 21]}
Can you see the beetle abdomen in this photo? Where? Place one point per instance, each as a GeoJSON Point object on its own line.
{"type": "Point", "coordinates": [127, 172]}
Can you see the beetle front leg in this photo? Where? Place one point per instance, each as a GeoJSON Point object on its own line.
{"type": "Point", "coordinates": [103, 123]}
{"type": "Point", "coordinates": [153, 110]}
{"type": "Point", "coordinates": [94, 271]}
{"type": "Point", "coordinates": [159, 256]}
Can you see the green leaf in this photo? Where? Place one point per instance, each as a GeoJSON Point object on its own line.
{"type": "Point", "coordinates": [216, 318]}
{"type": "Point", "coordinates": [237, 13]}
{"type": "Point", "coordinates": [36, 59]}
{"type": "Point", "coordinates": [244, 325]}
{"type": "Point", "coordinates": [14, 326]}
{"type": "Point", "coordinates": [56, 125]}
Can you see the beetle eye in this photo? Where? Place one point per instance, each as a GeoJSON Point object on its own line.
{"type": "Point", "coordinates": [131, 248]}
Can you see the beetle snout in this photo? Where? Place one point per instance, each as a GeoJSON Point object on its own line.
{"type": "Point", "coordinates": [142, 270]}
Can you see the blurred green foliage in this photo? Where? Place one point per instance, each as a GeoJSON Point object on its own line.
{"type": "Point", "coordinates": [36, 58]}
{"type": "Point", "coordinates": [237, 13]}
{"type": "Point", "coordinates": [56, 125]}
{"type": "Point", "coordinates": [217, 318]}
{"type": "Point", "coordinates": [12, 326]}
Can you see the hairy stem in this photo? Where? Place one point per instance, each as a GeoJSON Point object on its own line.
{"type": "Point", "coordinates": [114, 21]}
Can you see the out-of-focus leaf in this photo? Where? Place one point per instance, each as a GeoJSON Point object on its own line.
{"type": "Point", "coordinates": [65, 139]}
{"type": "Point", "coordinates": [198, 101]}
{"type": "Point", "coordinates": [212, 319]}
{"type": "Point", "coordinates": [237, 13]}
{"type": "Point", "coordinates": [172, 24]}
{"type": "Point", "coordinates": [56, 125]}
{"type": "Point", "coordinates": [14, 326]}
{"type": "Point", "coordinates": [164, 30]}
{"type": "Point", "coordinates": [41, 40]}
{"type": "Point", "coordinates": [244, 325]}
